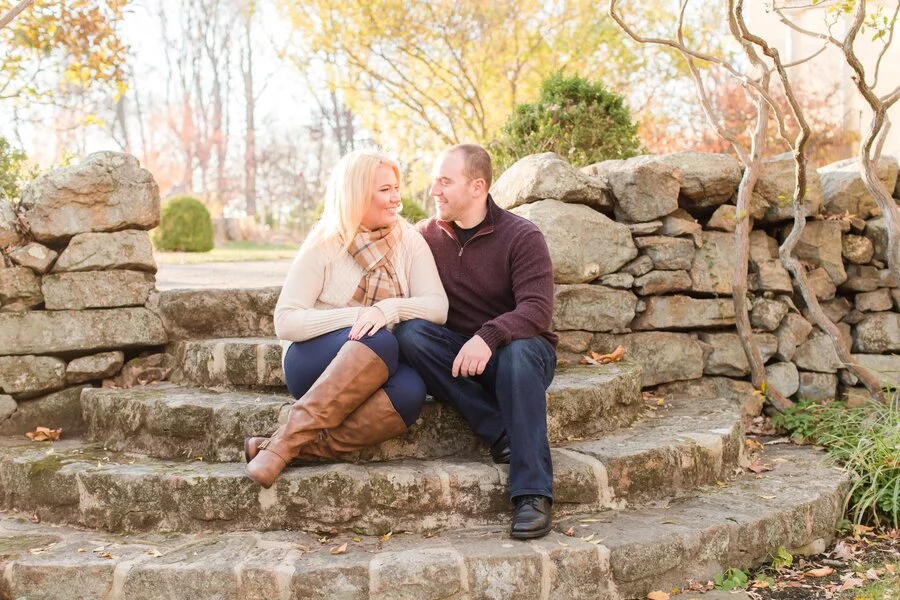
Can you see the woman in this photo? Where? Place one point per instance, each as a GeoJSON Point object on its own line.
{"type": "Point", "coordinates": [361, 270]}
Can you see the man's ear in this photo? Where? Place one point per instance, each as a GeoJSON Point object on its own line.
{"type": "Point", "coordinates": [478, 186]}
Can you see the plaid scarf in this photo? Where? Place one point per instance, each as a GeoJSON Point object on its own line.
{"type": "Point", "coordinates": [373, 251]}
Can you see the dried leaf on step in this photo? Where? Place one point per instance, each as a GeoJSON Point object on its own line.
{"type": "Point", "coordinates": [657, 596]}
{"type": "Point", "coordinates": [342, 549]}
{"type": "Point", "coordinates": [843, 551]}
{"type": "Point", "coordinates": [35, 518]}
{"type": "Point", "coordinates": [387, 536]}
{"type": "Point", "coordinates": [820, 572]}
{"type": "Point", "coordinates": [752, 445]}
{"type": "Point", "coordinates": [758, 467]}
{"type": "Point", "coordinates": [44, 434]}
{"type": "Point", "coordinates": [614, 356]}
{"type": "Point", "coordinates": [570, 531]}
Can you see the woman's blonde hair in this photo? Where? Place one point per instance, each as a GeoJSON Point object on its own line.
{"type": "Point", "coordinates": [348, 194]}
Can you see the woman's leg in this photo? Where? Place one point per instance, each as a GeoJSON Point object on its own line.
{"type": "Point", "coordinates": [354, 374]}
{"type": "Point", "coordinates": [388, 413]}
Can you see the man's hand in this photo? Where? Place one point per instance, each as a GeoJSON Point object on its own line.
{"type": "Point", "coordinates": [473, 357]}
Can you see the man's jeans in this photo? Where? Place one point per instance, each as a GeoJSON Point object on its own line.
{"type": "Point", "coordinates": [509, 396]}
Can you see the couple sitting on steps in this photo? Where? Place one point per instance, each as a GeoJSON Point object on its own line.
{"type": "Point", "coordinates": [378, 311]}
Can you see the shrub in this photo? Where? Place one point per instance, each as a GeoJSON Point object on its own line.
{"type": "Point", "coordinates": [12, 164]}
{"type": "Point", "coordinates": [185, 226]}
{"type": "Point", "coordinates": [866, 441]}
{"type": "Point", "coordinates": [579, 120]}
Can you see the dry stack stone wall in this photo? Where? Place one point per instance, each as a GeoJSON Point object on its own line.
{"type": "Point", "coordinates": [76, 274]}
{"type": "Point", "coordinates": [644, 253]}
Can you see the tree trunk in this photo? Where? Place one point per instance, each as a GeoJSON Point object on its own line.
{"type": "Point", "coordinates": [250, 118]}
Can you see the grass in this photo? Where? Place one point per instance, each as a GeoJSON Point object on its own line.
{"type": "Point", "coordinates": [229, 252]}
{"type": "Point", "coordinates": [865, 440]}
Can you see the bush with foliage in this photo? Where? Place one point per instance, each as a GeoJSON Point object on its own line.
{"type": "Point", "coordinates": [185, 226]}
{"type": "Point", "coordinates": [12, 164]}
{"type": "Point", "coordinates": [581, 121]}
{"type": "Point", "coordinates": [866, 441]}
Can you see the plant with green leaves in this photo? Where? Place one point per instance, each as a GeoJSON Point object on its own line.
{"type": "Point", "coordinates": [12, 166]}
{"type": "Point", "coordinates": [185, 226]}
{"type": "Point", "coordinates": [865, 440]}
{"type": "Point", "coordinates": [578, 119]}
{"type": "Point", "coordinates": [732, 579]}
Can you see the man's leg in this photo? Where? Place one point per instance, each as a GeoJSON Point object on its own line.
{"type": "Point", "coordinates": [518, 375]}
{"type": "Point", "coordinates": [430, 349]}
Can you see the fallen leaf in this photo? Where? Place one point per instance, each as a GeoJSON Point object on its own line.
{"type": "Point", "coordinates": [35, 518]}
{"type": "Point", "coordinates": [106, 555]}
{"type": "Point", "coordinates": [890, 568]}
{"type": "Point", "coordinates": [859, 530]}
{"type": "Point", "coordinates": [357, 540]}
{"type": "Point", "coordinates": [669, 522]}
{"type": "Point", "coordinates": [768, 497]}
{"type": "Point", "coordinates": [820, 572]}
{"type": "Point", "coordinates": [154, 552]}
{"type": "Point", "coordinates": [589, 538]}
{"type": "Point", "coordinates": [44, 434]}
{"type": "Point", "coordinates": [342, 549]}
{"type": "Point", "coordinates": [614, 356]}
{"type": "Point", "coordinates": [657, 596]}
{"type": "Point", "coordinates": [661, 402]}
{"type": "Point", "coordinates": [570, 531]}
{"type": "Point", "coordinates": [872, 575]}
{"type": "Point", "coordinates": [758, 467]}
{"type": "Point", "coordinates": [82, 550]}
{"type": "Point", "coordinates": [850, 583]}
{"type": "Point", "coordinates": [843, 551]}
{"type": "Point", "coordinates": [752, 445]}
{"type": "Point", "coordinates": [387, 536]}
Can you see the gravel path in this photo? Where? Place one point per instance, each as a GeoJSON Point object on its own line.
{"type": "Point", "coordinates": [250, 274]}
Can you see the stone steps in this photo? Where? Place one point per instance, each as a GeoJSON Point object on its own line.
{"type": "Point", "coordinates": [170, 422]}
{"type": "Point", "coordinates": [685, 444]}
{"type": "Point", "coordinates": [618, 555]}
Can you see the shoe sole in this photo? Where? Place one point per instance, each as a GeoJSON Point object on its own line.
{"type": "Point", "coordinates": [527, 535]}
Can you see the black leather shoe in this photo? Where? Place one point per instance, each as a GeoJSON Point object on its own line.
{"type": "Point", "coordinates": [500, 450]}
{"type": "Point", "coordinates": [533, 517]}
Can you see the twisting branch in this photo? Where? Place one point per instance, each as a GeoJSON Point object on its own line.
{"type": "Point", "coordinates": [885, 49]}
{"type": "Point", "coordinates": [14, 12]}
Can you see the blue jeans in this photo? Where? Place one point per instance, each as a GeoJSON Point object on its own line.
{"type": "Point", "coordinates": [509, 396]}
{"type": "Point", "coordinates": [305, 361]}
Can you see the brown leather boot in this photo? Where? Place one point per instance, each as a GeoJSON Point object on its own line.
{"type": "Point", "coordinates": [372, 423]}
{"type": "Point", "coordinates": [351, 377]}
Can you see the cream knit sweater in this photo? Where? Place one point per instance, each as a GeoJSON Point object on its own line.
{"type": "Point", "coordinates": [322, 280]}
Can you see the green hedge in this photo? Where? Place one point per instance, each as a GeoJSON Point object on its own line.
{"type": "Point", "coordinates": [185, 226]}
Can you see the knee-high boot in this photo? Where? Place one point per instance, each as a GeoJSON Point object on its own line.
{"type": "Point", "coordinates": [348, 381]}
{"type": "Point", "coordinates": [373, 422]}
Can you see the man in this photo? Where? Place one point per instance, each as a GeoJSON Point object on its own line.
{"type": "Point", "coordinates": [495, 358]}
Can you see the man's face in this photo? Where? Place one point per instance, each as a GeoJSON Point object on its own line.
{"type": "Point", "coordinates": [450, 188]}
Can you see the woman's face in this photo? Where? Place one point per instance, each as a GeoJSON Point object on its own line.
{"type": "Point", "coordinates": [385, 201]}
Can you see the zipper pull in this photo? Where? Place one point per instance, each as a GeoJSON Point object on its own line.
{"type": "Point", "coordinates": [460, 251]}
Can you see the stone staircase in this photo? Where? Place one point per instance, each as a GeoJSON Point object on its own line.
{"type": "Point", "coordinates": [153, 502]}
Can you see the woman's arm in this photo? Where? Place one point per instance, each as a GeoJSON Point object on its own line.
{"type": "Point", "coordinates": [295, 318]}
{"type": "Point", "coordinates": [427, 299]}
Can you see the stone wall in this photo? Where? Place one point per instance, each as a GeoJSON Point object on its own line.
{"type": "Point", "coordinates": [76, 274]}
{"type": "Point", "coordinates": [643, 252]}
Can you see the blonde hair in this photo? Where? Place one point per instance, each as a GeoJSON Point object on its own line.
{"type": "Point", "coordinates": [347, 196]}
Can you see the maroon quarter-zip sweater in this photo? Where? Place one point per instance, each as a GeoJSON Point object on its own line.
{"type": "Point", "coordinates": [500, 283]}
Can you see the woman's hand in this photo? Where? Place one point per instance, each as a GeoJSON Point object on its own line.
{"type": "Point", "coordinates": [369, 321]}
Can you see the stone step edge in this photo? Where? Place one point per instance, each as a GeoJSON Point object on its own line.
{"type": "Point", "coordinates": [668, 547]}
{"type": "Point", "coordinates": [593, 479]}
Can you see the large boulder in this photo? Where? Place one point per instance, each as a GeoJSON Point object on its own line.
{"type": "Point", "coordinates": [107, 191]}
{"type": "Point", "coordinates": [820, 246]}
{"type": "Point", "coordinates": [644, 188]}
{"type": "Point", "coordinates": [37, 257]}
{"type": "Point", "coordinates": [877, 333]}
{"type": "Point", "coordinates": [886, 367]}
{"type": "Point", "coordinates": [548, 177]}
{"type": "Point", "coordinates": [584, 244]}
{"type": "Point", "coordinates": [774, 191]}
{"type": "Point", "coordinates": [205, 314]}
{"type": "Point", "coordinates": [663, 357]}
{"type": "Point", "coordinates": [20, 289]}
{"type": "Point", "coordinates": [713, 266]}
{"type": "Point", "coordinates": [96, 289]}
{"type": "Point", "coordinates": [683, 312]}
{"type": "Point", "coordinates": [845, 191]}
{"type": "Point", "coordinates": [25, 376]}
{"type": "Point", "coordinates": [9, 235]}
{"type": "Point", "coordinates": [592, 308]}
{"type": "Point", "coordinates": [667, 253]}
{"type": "Point", "coordinates": [741, 393]}
{"type": "Point", "coordinates": [101, 251]}
{"type": "Point", "coordinates": [55, 332]}
{"type": "Point", "coordinates": [876, 301]}
{"type": "Point", "coordinates": [861, 278]}
{"type": "Point", "coordinates": [817, 387]}
{"type": "Point", "coordinates": [707, 180]}
{"type": "Point", "coordinates": [728, 356]}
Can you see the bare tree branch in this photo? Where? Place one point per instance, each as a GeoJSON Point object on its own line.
{"type": "Point", "coordinates": [14, 12]}
{"type": "Point", "coordinates": [886, 46]}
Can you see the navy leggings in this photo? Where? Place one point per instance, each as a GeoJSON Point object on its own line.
{"type": "Point", "coordinates": [305, 361]}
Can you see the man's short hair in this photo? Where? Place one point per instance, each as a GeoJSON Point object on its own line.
{"type": "Point", "coordinates": [476, 162]}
